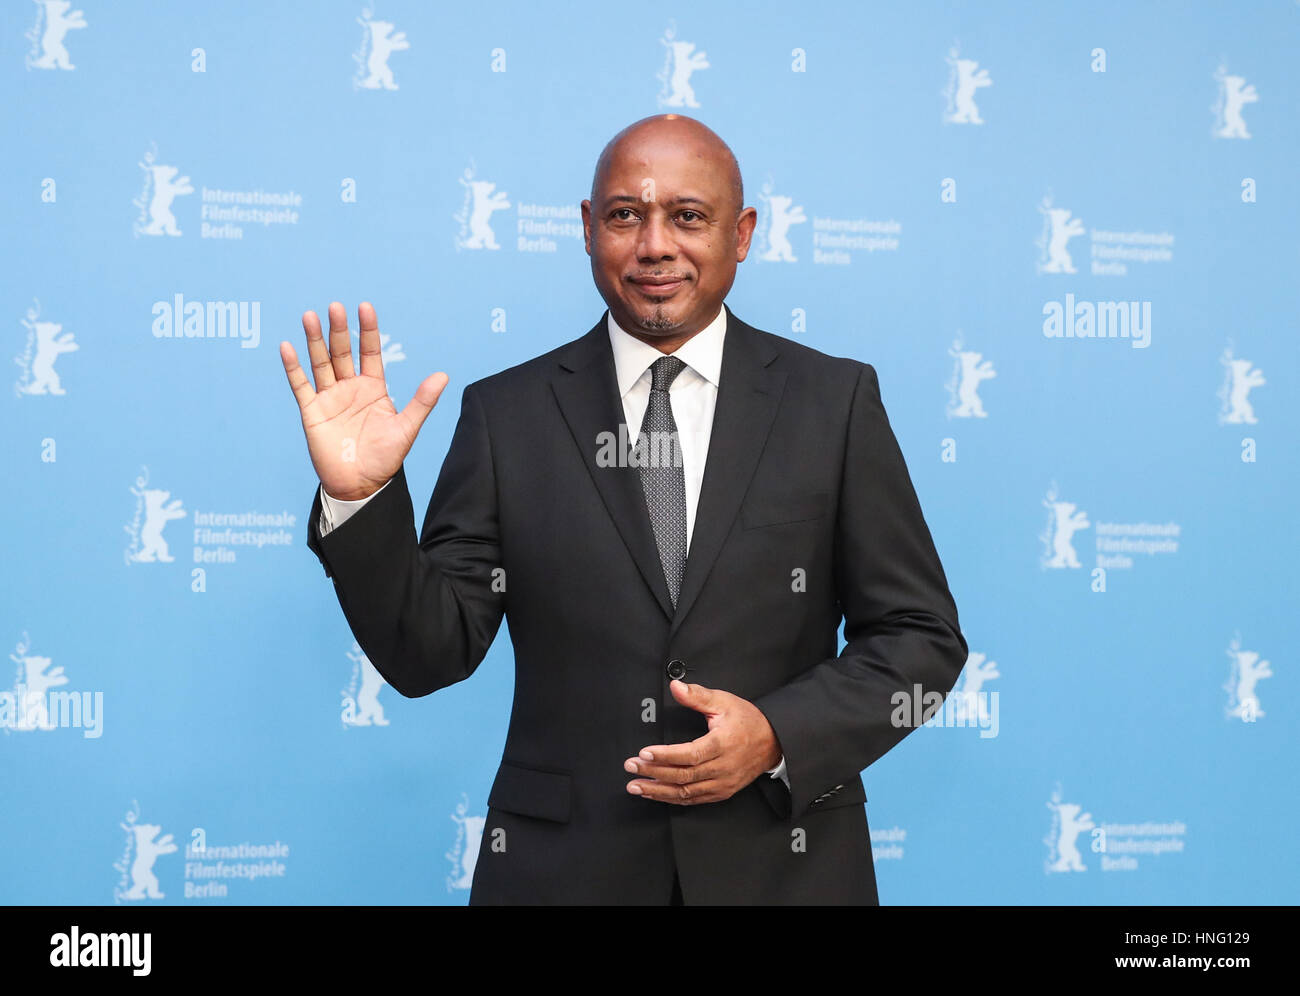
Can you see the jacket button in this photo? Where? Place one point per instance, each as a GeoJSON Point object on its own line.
{"type": "Point", "coordinates": [676, 669]}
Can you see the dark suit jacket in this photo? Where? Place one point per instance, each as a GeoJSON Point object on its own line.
{"type": "Point", "coordinates": [807, 514]}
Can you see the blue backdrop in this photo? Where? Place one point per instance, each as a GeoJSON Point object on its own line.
{"type": "Point", "coordinates": [1064, 237]}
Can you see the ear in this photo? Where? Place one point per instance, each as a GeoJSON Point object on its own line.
{"type": "Point", "coordinates": [745, 232]}
{"type": "Point", "coordinates": [586, 225]}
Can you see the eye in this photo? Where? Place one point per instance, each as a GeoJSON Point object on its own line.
{"type": "Point", "coordinates": [694, 214]}
{"type": "Point", "coordinates": [620, 211]}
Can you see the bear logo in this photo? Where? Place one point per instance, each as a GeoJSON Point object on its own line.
{"type": "Point", "coordinates": [683, 60]}
{"type": "Point", "coordinates": [365, 709]}
{"type": "Point", "coordinates": [784, 214]}
{"type": "Point", "coordinates": [483, 204]}
{"type": "Point", "coordinates": [1234, 94]}
{"type": "Point", "coordinates": [965, 78]}
{"type": "Point", "coordinates": [34, 713]}
{"type": "Point", "coordinates": [968, 705]}
{"type": "Point", "coordinates": [1241, 378]}
{"type": "Point", "coordinates": [1070, 823]}
{"type": "Point", "coordinates": [51, 343]}
{"type": "Point", "coordinates": [58, 22]}
{"type": "Point", "coordinates": [158, 512]}
{"type": "Point", "coordinates": [1066, 520]}
{"type": "Point", "coordinates": [382, 42]}
{"type": "Point", "coordinates": [464, 853]}
{"type": "Point", "coordinates": [166, 187]}
{"type": "Point", "coordinates": [972, 370]}
{"type": "Point", "coordinates": [143, 880]}
{"type": "Point", "coordinates": [1247, 671]}
{"type": "Point", "coordinates": [1061, 229]}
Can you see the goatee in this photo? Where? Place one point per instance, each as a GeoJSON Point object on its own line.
{"type": "Point", "coordinates": [659, 321]}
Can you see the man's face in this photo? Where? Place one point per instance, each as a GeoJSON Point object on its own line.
{"type": "Point", "coordinates": [664, 236]}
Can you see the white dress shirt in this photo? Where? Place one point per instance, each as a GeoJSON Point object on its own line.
{"type": "Point", "coordinates": [693, 395]}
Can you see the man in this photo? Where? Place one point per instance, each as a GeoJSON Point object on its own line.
{"type": "Point", "coordinates": [682, 729]}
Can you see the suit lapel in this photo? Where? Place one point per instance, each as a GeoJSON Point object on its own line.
{"type": "Point", "coordinates": [586, 389]}
{"type": "Point", "coordinates": [748, 397]}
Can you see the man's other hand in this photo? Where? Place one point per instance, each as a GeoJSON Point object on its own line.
{"type": "Point", "coordinates": [739, 746]}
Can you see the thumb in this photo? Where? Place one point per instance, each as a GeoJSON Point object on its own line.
{"type": "Point", "coordinates": [697, 697]}
{"type": "Point", "coordinates": [426, 396]}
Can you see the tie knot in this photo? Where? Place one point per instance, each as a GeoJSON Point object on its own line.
{"type": "Point", "coordinates": [664, 371]}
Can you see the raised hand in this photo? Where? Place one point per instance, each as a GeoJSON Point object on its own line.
{"type": "Point", "coordinates": [356, 438]}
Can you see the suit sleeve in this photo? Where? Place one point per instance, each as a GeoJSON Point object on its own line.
{"type": "Point", "coordinates": [424, 613]}
{"type": "Point", "coordinates": [900, 621]}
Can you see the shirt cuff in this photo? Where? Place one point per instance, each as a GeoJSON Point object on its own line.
{"type": "Point", "coordinates": [779, 772]}
{"type": "Point", "coordinates": [335, 511]}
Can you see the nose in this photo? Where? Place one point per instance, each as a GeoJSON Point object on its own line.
{"type": "Point", "coordinates": [656, 238]}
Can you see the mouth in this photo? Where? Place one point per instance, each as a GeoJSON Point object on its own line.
{"type": "Point", "coordinates": [658, 286]}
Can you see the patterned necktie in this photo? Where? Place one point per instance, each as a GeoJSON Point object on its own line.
{"type": "Point", "coordinates": [658, 455]}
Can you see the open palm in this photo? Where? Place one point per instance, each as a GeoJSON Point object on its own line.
{"type": "Point", "coordinates": [356, 437]}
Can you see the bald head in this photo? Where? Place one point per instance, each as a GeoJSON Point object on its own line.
{"type": "Point", "coordinates": [685, 135]}
{"type": "Point", "coordinates": [665, 227]}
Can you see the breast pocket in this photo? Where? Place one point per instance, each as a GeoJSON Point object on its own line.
{"type": "Point", "coordinates": [776, 511]}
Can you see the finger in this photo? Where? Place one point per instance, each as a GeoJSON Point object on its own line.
{"type": "Point", "coordinates": [418, 408]}
{"type": "Point", "coordinates": [706, 748]}
{"type": "Point", "coordinates": [372, 355]}
{"type": "Point", "coordinates": [340, 342]}
{"type": "Point", "coordinates": [714, 790]}
{"type": "Point", "coordinates": [297, 376]}
{"type": "Point", "coordinates": [675, 774]}
{"type": "Point", "coordinates": [319, 355]}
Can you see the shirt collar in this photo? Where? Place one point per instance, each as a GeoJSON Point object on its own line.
{"type": "Point", "coordinates": [702, 352]}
